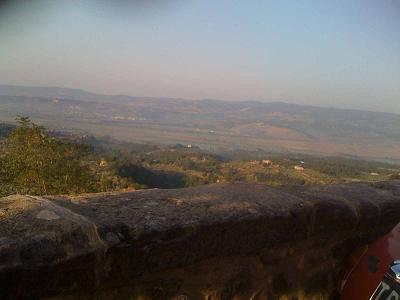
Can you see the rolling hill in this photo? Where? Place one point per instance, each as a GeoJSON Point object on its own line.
{"type": "Point", "coordinates": [273, 126]}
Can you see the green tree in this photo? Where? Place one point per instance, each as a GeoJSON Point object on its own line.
{"type": "Point", "coordinates": [33, 162]}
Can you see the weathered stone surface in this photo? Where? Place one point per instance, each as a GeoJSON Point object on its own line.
{"type": "Point", "coordinates": [231, 241]}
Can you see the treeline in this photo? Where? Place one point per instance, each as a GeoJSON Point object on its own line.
{"type": "Point", "coordinates": [33, 161]}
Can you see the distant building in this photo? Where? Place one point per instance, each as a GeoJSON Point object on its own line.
{"type": "Point", "coordinates": [266, 162]}
{"type": "Point", "coordinates": [189, 146]}
{"type": "Point", "coordinates": [103, 163]}
{"type": "Point", "coordinates": [299, 168]}
{"type": "Point", "coordinates": [374, 174]}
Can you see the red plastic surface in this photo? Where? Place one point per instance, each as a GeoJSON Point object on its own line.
{"type": "Point", "coordinates": [368, 271]}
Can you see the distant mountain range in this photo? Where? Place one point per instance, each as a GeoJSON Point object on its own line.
{"type": "Point", "coordinates": [273, 126]}
{"type": "Point", "coordinates": [64, 93]}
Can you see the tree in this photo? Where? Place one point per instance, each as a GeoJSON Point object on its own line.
{"type": "Point", "coordinates": [33, 162]}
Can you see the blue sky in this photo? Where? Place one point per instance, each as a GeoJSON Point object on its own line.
{"type": "Point", "coordinates": [328, 53]}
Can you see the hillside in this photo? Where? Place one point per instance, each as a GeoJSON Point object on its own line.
{"type": "Point", "coordinates": [209, 124]}
{"type": "Point", "coordinates": [36, 162]}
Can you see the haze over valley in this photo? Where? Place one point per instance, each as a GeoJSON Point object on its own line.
{"type": "Point", "coordinates": [209, 124]}
{"type": "Point", "coordinates": [199, 149]}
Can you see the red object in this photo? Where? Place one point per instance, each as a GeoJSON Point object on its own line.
{"type": "Point", "coordinates": [368, 266]}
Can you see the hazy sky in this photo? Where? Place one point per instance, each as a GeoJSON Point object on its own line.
{"type": "Point", "coordinates": [343, 53]}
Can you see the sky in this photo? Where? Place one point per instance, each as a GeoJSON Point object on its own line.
{"type": "Point", "coordinates": [343, 53]}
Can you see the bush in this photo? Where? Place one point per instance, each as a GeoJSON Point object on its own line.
{"type": "Point", "coordinates": [32, 162]}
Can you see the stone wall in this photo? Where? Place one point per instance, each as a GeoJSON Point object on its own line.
{"type": "Point", "coordinates": [226, 241]}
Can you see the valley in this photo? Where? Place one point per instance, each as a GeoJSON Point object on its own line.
{"type": "Point", "coordinates": [210, 124]}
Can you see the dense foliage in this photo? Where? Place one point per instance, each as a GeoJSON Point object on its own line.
{"type": "Point", "coordinates": [32, 162]}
